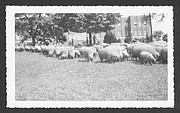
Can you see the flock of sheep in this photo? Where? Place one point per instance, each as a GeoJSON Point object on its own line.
{"type": "Point", "coordinates": [146, 53]}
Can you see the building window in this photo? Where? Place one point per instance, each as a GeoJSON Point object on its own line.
{"type": "Point", "coordinates": [140, 33]}
{"type": "Point", "coordinates": [139, 24]}
{"type": "Point", "coordinates": [144, 32]}
{"type": "Point", "coordinates": [135, 32]}
{"type": "Point", "coordinates": [126, 32]}
{"type": "Point", "coordinates": [135, 24]}
{"type": "Point", "coordinates": [118, 33]}
{"type": "Point", "coordinates": [144, 23]}
{"type": "Point", "coordinates": [119, 24]}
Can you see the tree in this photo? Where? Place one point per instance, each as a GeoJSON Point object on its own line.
{"type": "Point", "coordinates": [109, 37]}
{"type": "Point", "coordinates": [28, 24]}
{"type": "Point", "coordinates": [91, 22]}
{"type": "Point", "coordinates": [101, 22]}
{"type": "Point", "coordinates": [165, 37]}
{"type": "Point", "coordinates": [36, 25]}
{"type": "Point", "coordinates": [148, 19]}
{"type": "Point", "coordinates": [63, 24]}
{"type": "Point", "coordinates": [157, 35]}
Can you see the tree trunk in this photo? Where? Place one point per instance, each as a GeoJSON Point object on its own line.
{"type": "Point", "coordinates": [90, 39]}
{"type": "Point", "coordinates": [87, 40]}
{"type": "Point", "coordinates": [94, 39]}
{"type": "Point", "coordinates": [33, 40]}
{"type": "Point", "coordinates": [150, 27]}
{"type": "Point", "coordinates": [72, 42]}
{"type": "Point", "coordinates": [58, 38]}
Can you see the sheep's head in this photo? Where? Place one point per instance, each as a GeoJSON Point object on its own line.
{"type": "Point", "coordinates": [157, 55]}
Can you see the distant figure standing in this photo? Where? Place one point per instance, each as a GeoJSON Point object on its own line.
{"type": "Point", "coordinates": [87, 40]}
{"type": "Point", "coordinates": [147, 37]}
{"type": "Point", "coordinates": [94, 39]}
{"type": "Point", "coordinates": [72, 44]}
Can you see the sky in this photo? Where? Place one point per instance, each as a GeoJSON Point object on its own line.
{"type": "Point", "coordinates": [161, 26]}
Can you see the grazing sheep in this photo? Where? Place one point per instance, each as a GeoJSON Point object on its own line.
{"type": "Point", "coordinates": [118, 50]}
{"type": "Point", "coordinates": [125, 45]}
{"type": "Point", "coordinates": [105, 45]}
{"type": "Point", "coordinates": [87, 52]}
{"type": "Point", "coordinates": [20, 48]}
{"type": "Point", "coordinates": [146, 57]}
{"type": "Point", "coordinates": [32, 49]}
{"type": "Point", "coordinates": [50, 50]}
{"type": "Point", "coordinates": [64, 54]}
{"type": "Point", "coordinates": [158, 49]}
{"type": "Point", "coordinates": [137, 48]}
{"type": "Point", "coordinates": [125, 55]}
{"type": "Point", "coordinates": [97, 47]}
{"type": "Point", "coordinates": [159, 44]}
{"type": "Point", "coordinates": [37, 48]}
{"type": "Point", "coordinates": [43, 49]}
{"type": "Point", "coordinates": [77, 53]}
{"type": "Point", "coordinates": [58, 51]}
{"type": "Point", "coordinates": [108, 54]}
{"type": "Point", "coordinates": [71, 53]}
{"type": "Point", "coordinates": [27, 48]}
{"type": "Point", "coordinates": [61, 52]}
{"type": "Point", "coordinates": [94, 50]}
{"type": "Point", "coordinates": [115, 44]}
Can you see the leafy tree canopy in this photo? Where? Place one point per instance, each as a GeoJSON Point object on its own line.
{"type": "Point", "coordinates": [49, 25]}
{"type": "Point", "coordinates": [109, 37]}
{"type": "Point", "coordinates": [158, 35]}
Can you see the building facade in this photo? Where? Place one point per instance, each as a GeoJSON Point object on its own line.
{"type": "Point", "coordinates": [120, 30]}
{"type": "Point", "coordinates": [132, 28]}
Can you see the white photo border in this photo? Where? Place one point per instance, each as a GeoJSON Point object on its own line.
{"type": "Point", "coordinates": [10, 57]}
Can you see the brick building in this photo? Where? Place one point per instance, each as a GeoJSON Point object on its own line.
{"type": "Point", "coordinates": [132, 27]}
{"type": "Point", "coordinates": [120, 30]}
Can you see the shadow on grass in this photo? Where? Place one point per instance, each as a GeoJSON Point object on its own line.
{"type": "Point", "coordinates": [135, 62]}
{"type": "Point", "coordinates": [96, 62]}
{"type": "Point", "coordinates": [105, 62]}
{"type": "Point", "coordinates": [83, 61]}
{"type": "Point", "coordinates": [139, 63]}
{"type": "Point", "coordinates": [41, 54]}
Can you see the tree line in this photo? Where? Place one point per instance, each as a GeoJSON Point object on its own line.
{"type": "Point", "coordinates": [42, 26]}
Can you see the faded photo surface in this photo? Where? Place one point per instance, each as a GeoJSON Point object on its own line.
{"type": "Point", "coordinates": [93, 56]}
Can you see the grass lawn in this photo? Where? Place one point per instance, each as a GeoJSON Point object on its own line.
{"type": "Point", "coordinates": [41, 78]}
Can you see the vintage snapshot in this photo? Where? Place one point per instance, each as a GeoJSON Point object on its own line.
{"type": "Point", "coordinates": [89, 56]}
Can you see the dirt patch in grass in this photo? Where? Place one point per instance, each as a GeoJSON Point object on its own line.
{"type": "Point", "coordinates": [40, 78]}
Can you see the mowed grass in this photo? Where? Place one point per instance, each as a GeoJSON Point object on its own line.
{"type": "Point", "coordinates": [41, 78]}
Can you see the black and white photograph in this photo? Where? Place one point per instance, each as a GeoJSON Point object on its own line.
{"type": "Point", "coordinates": [89, 56]}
